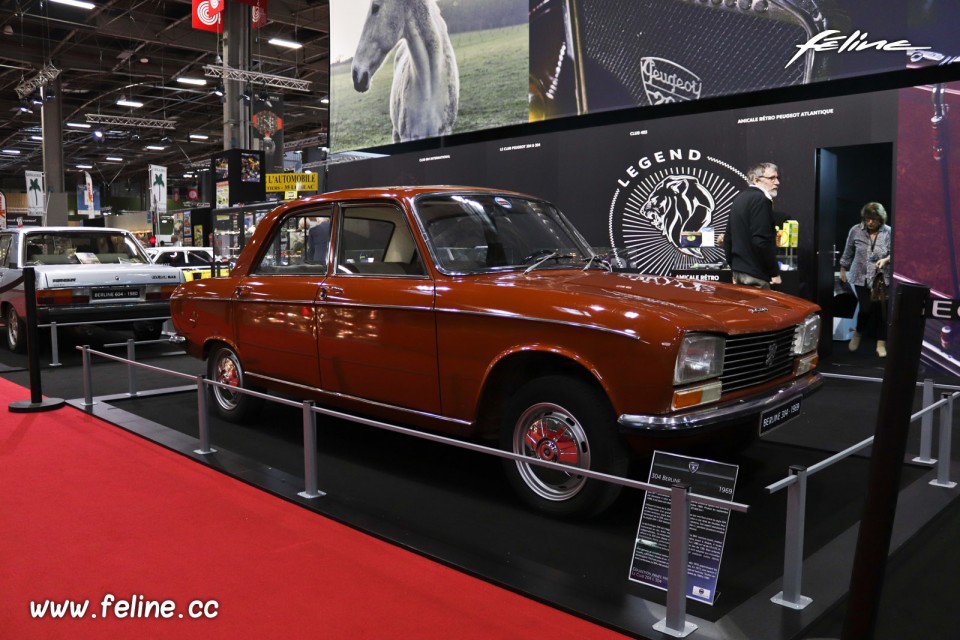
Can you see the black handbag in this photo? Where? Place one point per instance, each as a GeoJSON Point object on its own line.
{"type": "Point", "coordinates": [878, 288]}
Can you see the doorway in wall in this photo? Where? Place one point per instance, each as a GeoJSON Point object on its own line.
{"type": "Point", "coordinates": [847, 178]}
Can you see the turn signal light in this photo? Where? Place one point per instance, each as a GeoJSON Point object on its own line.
{"type": "Point", "coordinates": [163, 292]}
{"type": "Point", "coordinates": [691, 397]}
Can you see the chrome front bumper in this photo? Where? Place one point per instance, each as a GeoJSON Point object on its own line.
{"type": "Point", "coordinates": [716, 415]}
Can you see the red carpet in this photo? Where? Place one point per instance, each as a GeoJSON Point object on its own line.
{"type": "Point", "coordinates": [88, 509]}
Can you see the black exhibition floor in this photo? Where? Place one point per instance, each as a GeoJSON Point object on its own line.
{"type": "Point", "coordinates": [454, 505]}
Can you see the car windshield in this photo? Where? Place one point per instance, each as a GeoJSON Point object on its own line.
{"type": "Point", "coordinates": [64, 247]}
{"type": "Point", "coordinates": [471, 233]}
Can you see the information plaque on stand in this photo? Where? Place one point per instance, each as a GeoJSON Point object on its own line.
{"type": "Point", "coordinates": [708, 524]}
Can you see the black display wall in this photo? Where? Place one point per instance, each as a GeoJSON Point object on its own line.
{"type": "Point", "coordinates": [603, 176]}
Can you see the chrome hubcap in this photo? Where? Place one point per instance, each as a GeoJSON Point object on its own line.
{"type": "Point", "coordinates": [549, 432]}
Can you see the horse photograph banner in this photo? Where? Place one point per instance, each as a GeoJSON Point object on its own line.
{"type": "Point", "coordinates": [415, 69]}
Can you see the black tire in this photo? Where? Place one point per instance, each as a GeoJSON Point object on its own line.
{"type": "Point", "coordinates": [16, 331]}
{"type": "Point", "coordinates": [224, 366]}
{"type": "Point", "coordinates": [563, 419]}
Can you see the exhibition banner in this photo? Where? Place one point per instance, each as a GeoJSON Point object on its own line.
{"type": "Point", "coordinates": [207, 15]}
{"type": "Point", "coordinates": [36, 194]}
{"type": "Point", "coordinates": [708, 524]}
{"type": "Point", "coordinates": [3, 211]}
{"type": "Point", "coordinates": [280, 182]}
{"type": "Point", "coordinates": [504, 62]}
{"type": "Point", "coordinates": [158, 188]}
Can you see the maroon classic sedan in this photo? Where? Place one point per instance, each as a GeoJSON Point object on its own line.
{"type": "Point", "coordinates": [483, 313]}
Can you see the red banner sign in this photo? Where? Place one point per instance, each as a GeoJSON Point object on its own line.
{"type": "Point", "coordinates": [207, 15]}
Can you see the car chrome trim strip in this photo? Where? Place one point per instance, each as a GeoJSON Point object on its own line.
{"type": "Point", "coordinates": [344, 396]}
{"type": "Point", "coordinates": [493, 314]}
{"type": "Point", "coordinates": [711, 416]}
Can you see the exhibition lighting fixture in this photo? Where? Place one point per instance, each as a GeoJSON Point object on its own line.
{"type": "Point", "coordinates": [266, 79]}
{"type": "Point", "coordinates": [198, 82]}
{"type": "Point", "coordinates": [75, 3]}
{"type": "Point", "coordinates": [84, 166]}
{"type": "Point", "coordinates": [199, 136]}
{"type": "Point", "coordinates": [78, 125]}
{"type": "Point", "coordinates": [12, 152]}
{"type": "Point", "coordinates": [45, 75]}
{"type": "Point", "coordinates": [154, 147]}
{"type": "Point", "coordinates": [289, 44]}
{"type": "Point", "coordinates": [128, 121]}
{"type": "Point", "coordinates": [36, 138]}
{"type": "Point", "coordinates": [123, 102]}
{"type": "Point", "coordinates": [114, 159]}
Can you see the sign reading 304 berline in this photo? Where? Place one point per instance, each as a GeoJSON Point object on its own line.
{"type": "Point", "coordinates": [277, 182]}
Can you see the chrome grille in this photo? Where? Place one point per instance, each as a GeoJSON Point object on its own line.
{"type": "Point", "coordinates": [753, 359]}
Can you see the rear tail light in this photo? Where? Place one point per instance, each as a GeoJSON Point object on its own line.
{"type": "Point", "coordinates": [54, 297]}
{"type": "Point", "coordinates": [160, 292]}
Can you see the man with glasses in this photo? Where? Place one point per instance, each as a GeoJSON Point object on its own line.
{"type": "Point", "coordinates": [750, 239]}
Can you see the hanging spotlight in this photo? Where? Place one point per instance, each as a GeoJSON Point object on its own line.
{"type": "Point", "coordinates": [98, 135]}
{"type": "Point", "coordinates": [265, 99]}
{"type": "Point", "coordinates": [246, 96]}
{"type": "Point", "coordinates": [25, 106]}
{"type": "Point", "coordinates": [219, 90]}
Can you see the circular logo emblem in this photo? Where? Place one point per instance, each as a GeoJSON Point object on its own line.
{"type": "Point", "coordinates": [670, 209]}
{"type": "Point", "coordinates": [208, 12]}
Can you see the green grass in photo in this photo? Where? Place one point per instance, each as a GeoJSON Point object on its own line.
{"type": "Point", "coordinates": [493, 90]}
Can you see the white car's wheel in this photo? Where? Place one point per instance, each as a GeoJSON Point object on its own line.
{"type": "Point", "coordinates": [16, 331]}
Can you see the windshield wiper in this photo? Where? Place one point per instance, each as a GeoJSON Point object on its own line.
{"type": "Point", "coordinates": [603, 259]}
{"type": "Point", "coordinates": [552, 255]}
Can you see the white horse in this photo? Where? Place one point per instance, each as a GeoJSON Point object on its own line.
{"type": "Point", "coordinates": [425, 93]}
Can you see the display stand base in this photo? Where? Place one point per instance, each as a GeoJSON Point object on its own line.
{"type": "Point", "coordinates": [688, 628]}
{"type": "Point", "coordinates": [26, 406]}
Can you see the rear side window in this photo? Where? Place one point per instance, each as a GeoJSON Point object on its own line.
{"type": "Point", "coordinates": [5, 241]}
{"type": "Point", "coordinates": [299, 245]}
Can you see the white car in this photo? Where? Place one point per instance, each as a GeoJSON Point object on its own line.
{"type": "Point", "coordinates": [196, 262]}
{"type": "Point", "coordinates": [83, 275]}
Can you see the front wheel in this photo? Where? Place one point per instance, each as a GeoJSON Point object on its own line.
{"type": "Point", "coordinates": [16, 331]}
{"type": "Point", "coordinates": [224, 366]}
{"type": "Point", "coordinates": [568, 421]}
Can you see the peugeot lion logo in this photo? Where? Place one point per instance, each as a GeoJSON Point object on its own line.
{"type": "Point", "coordinates": [669, 208]}
{"type": "Point", "coordinates": [693, 466]}
{"type": "Point", "coordinates": [679, 205]}
{"type": "Point", "coordinates": [771, 354]}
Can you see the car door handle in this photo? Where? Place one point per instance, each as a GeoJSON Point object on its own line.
{"type": "Point", "coordinates": [326, 290]}
{"type": "Point", "coordinates": [241, 290]}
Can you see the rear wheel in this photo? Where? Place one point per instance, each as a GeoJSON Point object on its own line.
{"type": "Point", "coordinates": [16, 331]}
{"type": "Point", "coordinates": [224, 366]}
{"type": "Point", "coordinates": [568, 421]}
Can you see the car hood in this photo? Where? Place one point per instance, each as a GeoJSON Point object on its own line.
{"type": "Point", "coordinates": [616, 300]}
{"type": "Point", "coordinates": [79, 275]}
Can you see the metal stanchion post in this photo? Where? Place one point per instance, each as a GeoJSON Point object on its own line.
{"type": "Point", "coordinates": [36, 402]}
{"type": "Point", "coordinates": [87, 377]}
{"type": "Point", "coordinates": [310, 453]}
{"type": "Point", "coordinates": [926, 426]}
{"type": "Point", "coordinates": [886, 461]}
{"type": "Point", "coordinates": [793, 546]}
{"type": "Point", "coordinates": [943, 448]}
{"type": "Point", "coordinates": [131, 370]}
{"type": "Point", "coordinates": [54, 345]}
{"type": "Point", "coordinates": [202, 427]}
{"type": "Point", "coordinates": [675, 623]}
